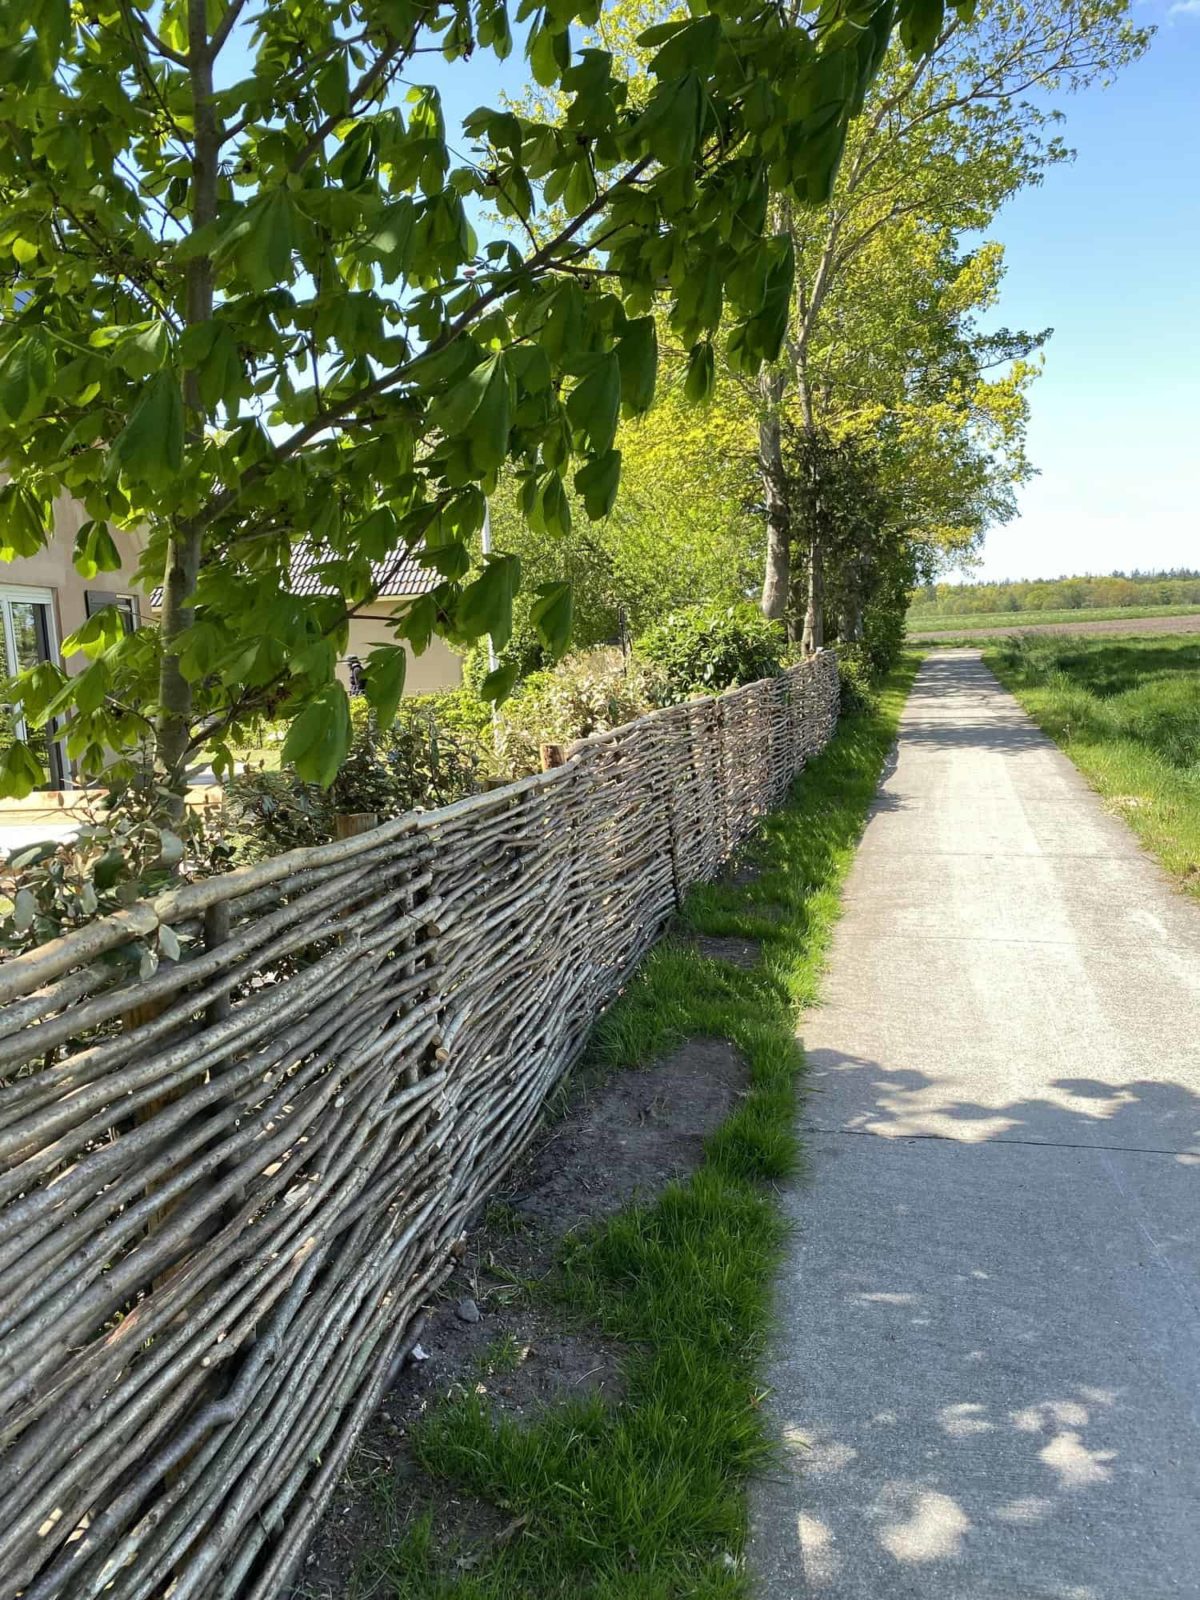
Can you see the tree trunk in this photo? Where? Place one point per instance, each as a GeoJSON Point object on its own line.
{"type": "Point", "coordinates": [777, 576]}
{"type": "Point", "coordinates": [814, 615]}
{"type": "Point", "coordinates": [173, 722]}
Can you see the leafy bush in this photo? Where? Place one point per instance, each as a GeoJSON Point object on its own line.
{"type": "Point", "coordinates": [857, 680]}
{"type": "Point", "coordinates": [584, 695]}
{"type": "Point", "coordinates": [264, 813]}
{"type": "Point", "coordinates": [704, 649]}
{"type": "Point", "coordinates": [119, 855]}
{"type": "Point", "coordinates": [432, 754]}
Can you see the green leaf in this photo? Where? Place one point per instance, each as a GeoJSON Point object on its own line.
{"type": "Point", "coordinates": [260, 242]}
{"type": "Point", "coordinates": [319, 736]}
{"type": "Point", "coordinates": [210, 349]}
{"type": "Point", "coordinates": [24, 910]}
{"type": "Point", "coordinates": [390, 244]}
{"type": "Point", "coordinates": [598, 481]}
{"type": "Point", "coordinates": [920, 25]}
{"type": "Point", "coordinates": [478, 407]}
{"type": "Point", "coordinates": [594, 404]}
{"type": "Point", "coordinates": [384, 681]}
{"type": "Point", "coordinates": [500, 683]}
{"type": "Point", "coordinates": [551, 614]}
{"type": "Point", "coordinates": [549, 53]}
{"type": "Point", "coordinates": [108, 869]}
{"type": "Point", "coordinates": [637, 353]}
{"type": "Point", "coordinates": [95, 551]}
{"type": "Point", "coordinates": [170, 848]}
{"type": "Point", "coordinates": [24, 523]}
{"type": "Point", "coordinates": [88, 688]}
{"type": "Point", "coordinates": [100, 632]}
{"type": "Point", "coordinates": [672, 124]}
{"type": "Point", "coordinates": [332, 85]}
{"type": "Point", "coordinates": [690, 46]}
{"type": "Point", "coordinates": [552, 511]}
{"type": "Point", "coordinates": [144, 350]}
{"type": "Point", "coordinates": [25, 376]}
{"type": "Point", "coordinates": [486, 605]}
{"type": "Point", "coordinates": [149, 450]}
{"type": "Point", "coordinates": [701, 374]}
{"type": "Point", "coordinates": [32, 854]}
{"type": "Point", "coordinates": [20, 771]}
{"type": "Point", "coordinates": [418, 623]}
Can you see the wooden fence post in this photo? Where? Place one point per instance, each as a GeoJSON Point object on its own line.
{"type": "Point", "coordinates": [348, 823]}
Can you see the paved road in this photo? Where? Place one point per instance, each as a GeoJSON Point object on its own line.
{"type": "Point", "coordinates": [987, 1378]}
{"type": "Point", "coordinates": [1188, 624]}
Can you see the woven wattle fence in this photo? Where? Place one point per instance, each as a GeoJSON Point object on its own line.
{"type": "Point", "coordinates": [227, 1189]}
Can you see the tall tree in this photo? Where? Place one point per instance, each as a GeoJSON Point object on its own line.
{"type": "Point", "coordinates": [245, 309]}
{"type": "Point", "coordinates": [885, 299]}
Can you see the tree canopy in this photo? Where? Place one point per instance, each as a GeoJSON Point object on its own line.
{"type": "Point", "coordinates": [885, 341]}
{"type": "Point", "coordinates": [244, 308]}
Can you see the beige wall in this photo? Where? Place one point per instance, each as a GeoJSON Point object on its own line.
{"type": "Point", "coordinates": [52, 569]}
{"type": "Point", "coordinates": [436, 668]}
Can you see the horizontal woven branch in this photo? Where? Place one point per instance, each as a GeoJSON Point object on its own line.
{"type": "Point", "coordinates": [226, 1190]}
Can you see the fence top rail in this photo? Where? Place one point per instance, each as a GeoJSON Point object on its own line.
{"type": "Point", "coordinates": [23, 974]}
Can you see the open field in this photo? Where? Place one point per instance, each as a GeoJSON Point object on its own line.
{"type": "Point", "coordinates": [1103, 619]}
{"type": "Point", "coordinates": [1127, 712]}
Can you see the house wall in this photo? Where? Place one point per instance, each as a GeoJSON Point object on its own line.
{"type": "Point", "coordinates": [52, 569]}
{"type": "Point", "coordinates": [436, 668]}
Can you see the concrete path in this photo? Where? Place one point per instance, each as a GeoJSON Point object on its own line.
{"type": "Point", "coordinates": [987, 1377]}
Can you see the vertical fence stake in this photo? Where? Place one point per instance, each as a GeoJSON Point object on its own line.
{"type": "Point", "coordinates": [216, 931]}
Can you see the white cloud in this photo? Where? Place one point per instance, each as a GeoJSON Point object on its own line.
{"type": "Point", "coordinates": [1184, 8]}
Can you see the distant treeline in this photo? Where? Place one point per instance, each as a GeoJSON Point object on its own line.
{"type": "Point", "coordinates": [1177, 588]}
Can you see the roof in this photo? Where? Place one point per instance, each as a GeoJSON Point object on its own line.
{"type": "Point", "coordinates": [398, 574]}
{"type": "Point", "coordinates": [395, 577]}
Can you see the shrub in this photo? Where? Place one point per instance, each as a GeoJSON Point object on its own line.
{"type": "Point", "coordinates": [585, 694]}
{"type": "Point", "coordinates": [118, 855]}
{"type": "Point", "coordinates": [704, 649]}
{"type": "Point", "coordinates": [857, 680]}
{"type": "Point", "coordinates": [433, 753]}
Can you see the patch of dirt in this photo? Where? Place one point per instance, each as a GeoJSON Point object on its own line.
{"type": "Point", "coordinates": [629, 1139]}
{"type": "Point", "coordinates": [738, 952]}
{"type": "Point", "coordinates": [741, 874]}
{"type": "Point", "coordinates": [619, 1140]}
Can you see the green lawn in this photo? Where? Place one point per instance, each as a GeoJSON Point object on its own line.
{"type": "Point", "coordinates": [939, 623]}
{"type": "Point", "coordinates": [1127, 712]}
{"type": "Point", "coordinates": [645, 1500]}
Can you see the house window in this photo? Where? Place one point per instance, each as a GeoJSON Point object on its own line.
{"type": "Point", "coordinates": [126, 604]}
{"type": "Point", "coordinates": [27, 620]}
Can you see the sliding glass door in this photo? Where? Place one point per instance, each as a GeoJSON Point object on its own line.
{"type": "Point", "coordinates": [27, 618]}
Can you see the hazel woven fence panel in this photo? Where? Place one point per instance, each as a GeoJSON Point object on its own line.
{"type": "Point", "coordinates": [227, 1189]}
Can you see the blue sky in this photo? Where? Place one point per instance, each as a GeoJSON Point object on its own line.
{"type": "Point", "coordinates": [1107, 252]}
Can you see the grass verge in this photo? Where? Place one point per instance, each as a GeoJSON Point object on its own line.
{"type": "Point", "coordinates": [646, 1499]}
{"type": "Point", "coordinates": [1127, 712]}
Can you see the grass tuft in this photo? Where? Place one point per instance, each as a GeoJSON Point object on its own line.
{"type": "Point", "coordinates": [645, 1500]}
